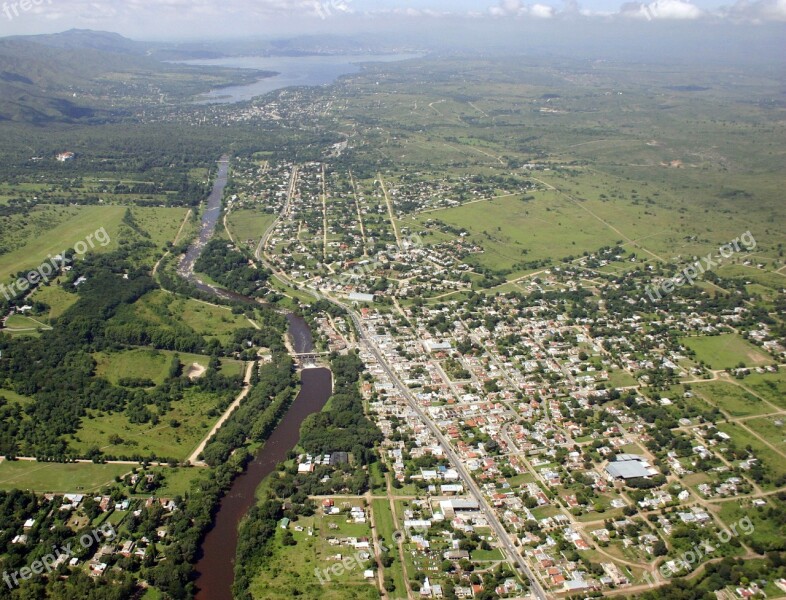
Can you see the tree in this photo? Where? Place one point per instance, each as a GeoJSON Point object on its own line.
{"type": "Point", "coordinates": [288, 539]}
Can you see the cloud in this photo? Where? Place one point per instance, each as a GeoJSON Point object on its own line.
{"type": "Point", "coordinates": [506, 8]}
{"type": "Point", "coordinates": [541, 11]}
{"type": "Point", "coordinates": [657, 9]}
{"type": "Point", "coordinates": [190, 18]}
{"type": "Point", "coordinates": [661, 9]}
{"type": "Point", "coordinates": [758, 12]}
{"type": "Point", "coordinates": [755, 11]}
{"type": "Point", "coordinates": [516, 8]}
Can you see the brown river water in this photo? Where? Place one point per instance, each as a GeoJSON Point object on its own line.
{"type": "Point", "coordinates": [216, 567]}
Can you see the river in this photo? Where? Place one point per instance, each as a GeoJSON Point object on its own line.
{"type": "Point", "coordinates": [215, 569]}
{"type": "Point", "coordinates": [209, 220]}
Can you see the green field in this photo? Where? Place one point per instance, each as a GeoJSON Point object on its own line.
{"type": "Point", "coordinates": [58, 477]}
{"type": "Point", "coordinates": [139, 363]}
{"type": "Point", "coordinates": [65, 227]}
{"type": "Point", "coordinates": [732, 399]}
{"type": "Point", "coordinates": [377, 478]}
{"type": "Point", "coordinates": [153, 364]}
{"type": "Point", "coordinates": [51, 230]}
{"type": "Point", "coordinates": [771, 429]}
{"type": "Point", "coordinates": [290, 570]}
{"type": "Point", "coordinates": [725, 351]}
{"type": "Point", "coordinates": [689, 407]}
{"type": "Point", "coordinates": [766, 279]}
{"type": "Point", "coordinates": [651, 208]}
{"type": "Point", "coordinates": [163, 439]}
{"type": "Point", "coordinates": [386, 527]}
{"type": "Point", "coordinates": [770, 386]}
{"type": "Point", "coordinates": [58, 299]}
{"type": "Point", "coordinates": [487, 555]}
{"type": "Point", "coordinates": [513, 231]}
{"type": "Point", "coordinates": [519, 480]}
{"type": "Point", "coordinates": [161, 223]}
{"type": "Point", "coordinates": [621, 378]}
{"type": "Point", "coordinates": [146, 363]}
{"type": "Point", "coordinates": [19, 323]}
{"type": "Point", "coordinates": [178, 481]}
{"type": "Point", "coordinates": [773, 462]}
{"type": "Point", "coordinates": [384, 521]}
{"type": "Point", "coordinates": [210, 321]}
{"type": "Point", "coordinates": [12, 396]}
{"type": "Point", "coordinates": [247, 226]}
{"type": "Point", "coordinates": [752, 524]}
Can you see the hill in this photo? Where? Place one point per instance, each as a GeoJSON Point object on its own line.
{"type": "Point", "coordinates": [92, 76]}
{"type": "Point", "coordinates": [87, 39]}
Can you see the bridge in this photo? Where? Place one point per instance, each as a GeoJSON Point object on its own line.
{"type": "Point", "coordinates": [308, 359]}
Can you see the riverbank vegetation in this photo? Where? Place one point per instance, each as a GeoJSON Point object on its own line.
{"type": "Point", "coordinates": [231, 268]}
{"type": "Point", "coordinates": [341, 427]}
{"type": "Point", "coordinates": [256, 418]}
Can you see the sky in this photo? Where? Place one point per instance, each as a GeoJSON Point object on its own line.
{"type": "Point", "coordinates": [190, 19]}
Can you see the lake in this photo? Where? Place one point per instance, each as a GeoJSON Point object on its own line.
{"type": "Point", "coordinates": [292, 71]}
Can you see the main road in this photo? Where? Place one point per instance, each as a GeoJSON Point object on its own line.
{"type": "Point", "coordinates": [491, 516]}
{"type": "Point", "coordinates": [488, 511]}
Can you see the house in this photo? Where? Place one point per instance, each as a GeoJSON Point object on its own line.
{"type": "Point", "coordinates": [574, 585]}
{"type": "Point", "coordinates": [614, 573]}
{"type": "Point", "coordinates": [339, 458]}
{"type": "Point", "coordinates": [127, 548]}
{"type": "Point", "coordinates": [74, 499]}
{"type": "Point", "coordinates": [417, 524]}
